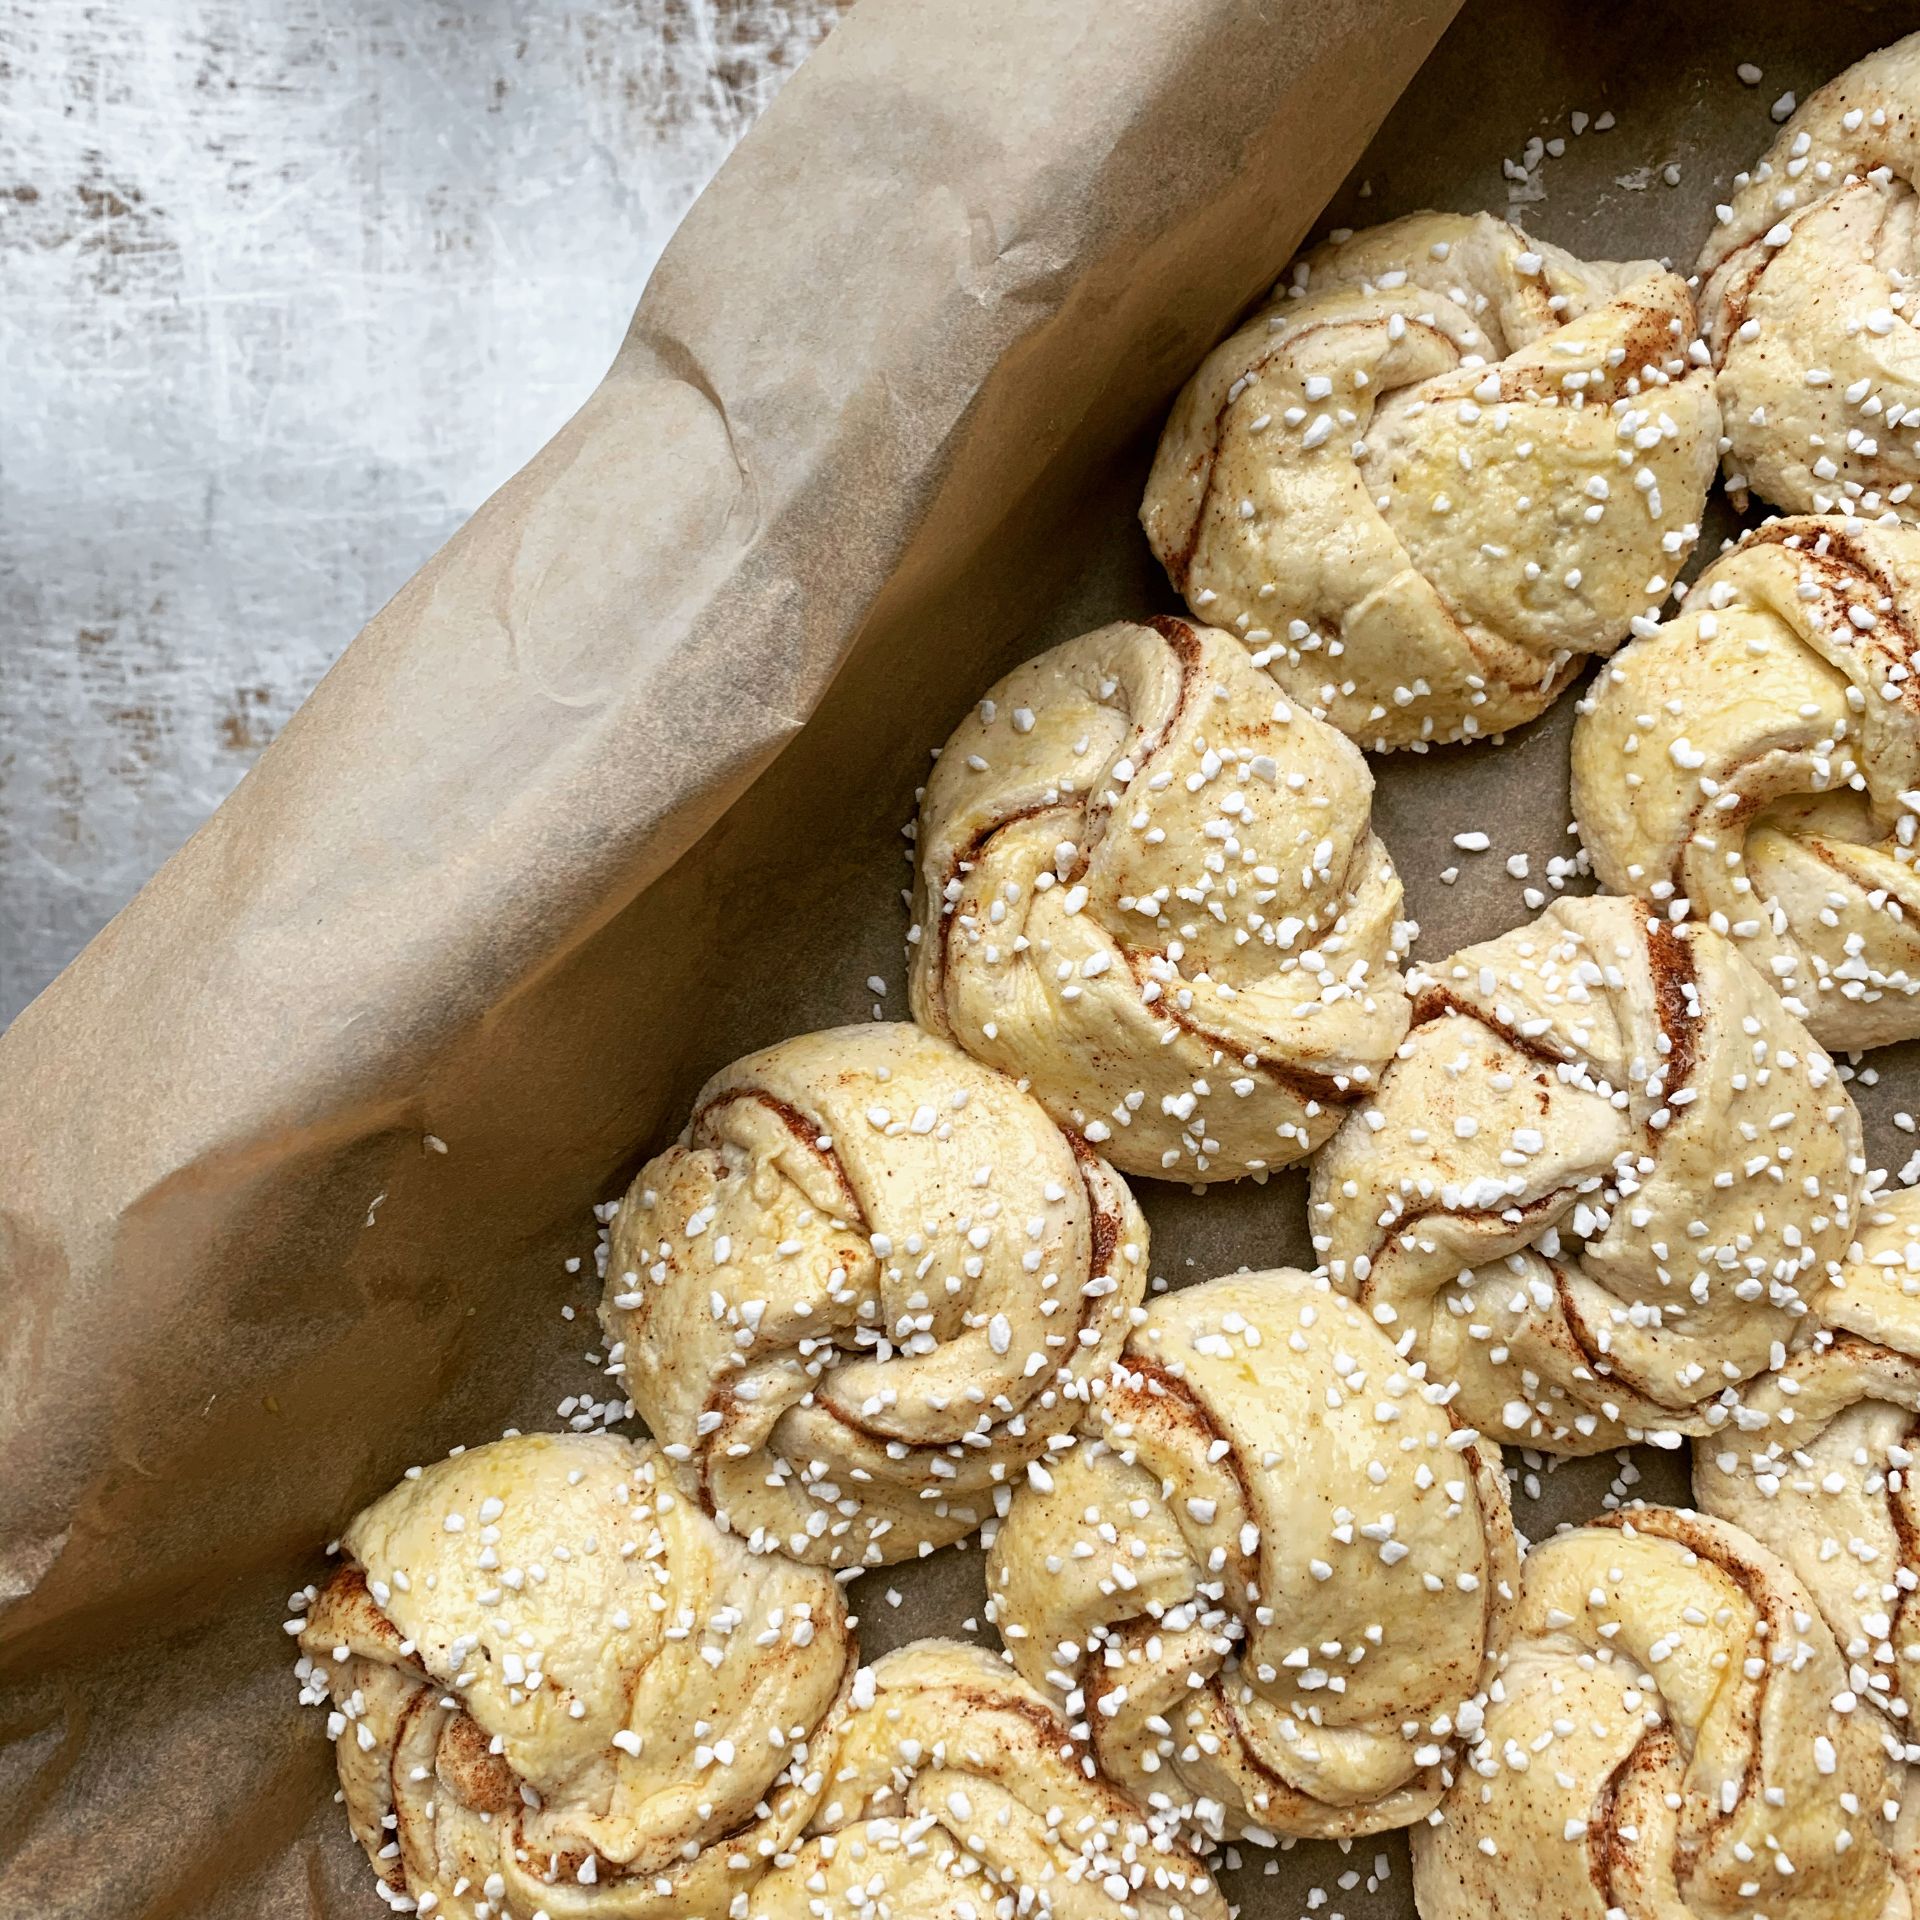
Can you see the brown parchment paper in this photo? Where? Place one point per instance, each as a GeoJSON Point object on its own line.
{"type": "Point", "coordinates": [611, 792]}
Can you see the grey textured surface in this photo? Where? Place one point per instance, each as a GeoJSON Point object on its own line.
{"type": "Point", "coordinates": [286, 289]}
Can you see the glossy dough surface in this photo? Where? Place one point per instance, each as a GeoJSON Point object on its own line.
{"type": "Point", "coordinates": [556, 1684]}
{"type": "Point", "coordinates": [1149, 885]}
{"type": "Point", "coordinates": [863, 1289]}
{"type": "Point", "coordinates": [1607, 1175]}
{"type": "Point", "coordinates": [1446, 464]}
{"type": "Point", "coordinates": [1267, 1577]}
{"type": "Point", "coordinates": [1758, 756]}
{"type": "Point", "coordinates": [1808, 300]}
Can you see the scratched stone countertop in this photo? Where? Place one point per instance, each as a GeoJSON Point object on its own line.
{"type": "Point", "coordinates": [287, 288]}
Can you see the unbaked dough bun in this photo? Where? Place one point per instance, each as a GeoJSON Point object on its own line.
{"type": "Point", "coordinates": [1604, 1185]}
{"type": "Point", "coordinates": [1819, 1461]}
{"type": "Point", "coordinates": [1755, 762]}
{"type": "Point", "coordinates": [1809, 300]}
{"type": "Point", "coordinates": [1670, 1736]}
{"type": "Point", "coordinates": [1441, 468]}
{"type": "Point", "coordinates": [955, 1791]}
{"type": "Point", "coordinates": [863, 1289]}
{"type": "Point", "coordinates": [1267, 1577]}
{"type": "Point", "coordinates": [557, 1685]}
{"type": "Point", "coordinates": [1148, 884]}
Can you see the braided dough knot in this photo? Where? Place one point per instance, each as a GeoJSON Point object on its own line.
{"type": "Point", "coordinates": [863, 1290]}
{"type": "Point", "coordinates": [1818, 1461]}
{"type": "Point", "coordinates": [1268, 1575]}
{"type": "Point", "coordinates": [955, 1789]}
{"type": "Point", "coordinates": [1602, 1182]}
{"type": "Point", "coordinates": [1664, 1740]}
{"type": "Point", "coordinates": [1758, 756]}
{"type": "Point", "coordinates": [1151, 888]}
{"type": "Point", "coordinates": [1808, 300]}
{"type": "Point", "coordinates": [1359, 480]}
{"type": "Point", "coordinates": [553, 1680]}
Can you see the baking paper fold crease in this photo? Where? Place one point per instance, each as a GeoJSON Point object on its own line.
{"type": "Point", "coordinates": [596, 803]}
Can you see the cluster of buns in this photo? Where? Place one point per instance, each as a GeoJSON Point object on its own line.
{"type": "Point", "coordinates": [1591, 1183]}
